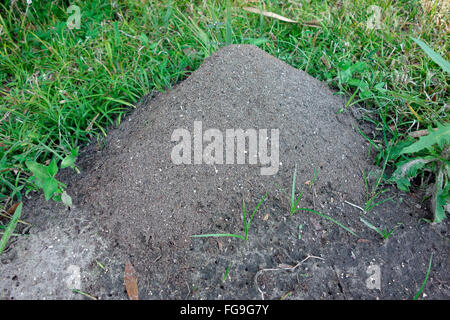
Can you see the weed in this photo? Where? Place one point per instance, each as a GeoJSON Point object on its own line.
{"type": "Point", "coordinates": [372, 196]}
{"type": "Point", "coordinates": [385, 233]}
{"type": "Point", "coordinates": [295, 201]}
{"type": "Point", "coordinates": [429, 152]}
{"type": "Point", "coordinates": [44, 178]}
{"type": "Point", "coordinates": [244, 219]}
{"type": "Point", "coordinates": [227, 271]}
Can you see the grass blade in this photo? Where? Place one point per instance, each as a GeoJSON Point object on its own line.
{"type": "Point", "coordinates": [229, 31]}
{"type": "Point", "coordinates": [257, 207]}
{"type": "Point", "coordinates": [10, 228]}
{"type": "Point", "coordinates": [436, 57]}
{"type": "Point", "coordinates": [245, 219]}
{"type": "Point", "coordinates": [426, 278]}
{"type": "Point", "coordinates": [371, 226]}
{"type": "Point", "coordinates": [218, 235]}
{"type": "Point", "coordinates": [331, 219]}
{"type": "Point", "coordinates": [227, 271]}
{"type": "Point", "coordinates": [293, 190]}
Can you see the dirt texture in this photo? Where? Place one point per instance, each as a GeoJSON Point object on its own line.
{"type": "Point", "coordinates": [133, 203]}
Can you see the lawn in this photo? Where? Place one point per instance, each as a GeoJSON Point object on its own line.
{"type": "Point", "coordinates": [61, 86]}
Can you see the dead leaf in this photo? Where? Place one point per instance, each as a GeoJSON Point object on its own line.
{"type": "Point", "coordinates": [268, 14]}
{"type": "Point", "coordinates": [325, 62]}
{"type": "Point", "coordinates": [274, 39]}
{"type": "Point", "coordinates": [130, 281]}
{"type": "Point", "coordinates": [5, 116]}
{"type": "Point", "coordinates": [266, 217]}
{"type": "Point", "coordinates": [89, 127]}
{"type": "Point", "coordinates": [418, 133]}
{"type": "Point", "coordinates": [11, 210]}
{"type": "Point", "coordinates": [285, 266]}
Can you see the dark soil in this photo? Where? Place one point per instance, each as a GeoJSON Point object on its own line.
{"type": "Point", "coordinates": [132, 203]}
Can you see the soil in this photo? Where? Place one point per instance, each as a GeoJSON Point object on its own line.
{"type": "Point", "coordinates": [132, 203]}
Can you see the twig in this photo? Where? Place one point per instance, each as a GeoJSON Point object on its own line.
{"type": "Point", "coordinates": [354, 205]}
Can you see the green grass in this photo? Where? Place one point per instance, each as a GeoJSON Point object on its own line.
{"type": "Point", "coordinates": [10, 228]}
{"type": "Point", "coordinates": [246, 222]}
{"type": "Point", "coordinates": [425, 280]}
{"type": "Point", "coordinates": [60, 87]}
{"type": "Point", "coordinates": [385, 233]}
{"type": "Point", "coordinates": [227, 271]}
{"type": "Point", "coordinates": [295, 200]}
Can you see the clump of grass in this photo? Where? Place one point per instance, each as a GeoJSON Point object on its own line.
{"type": "Point", "coordinates": [245, 221]}
{"type": "Point", "coordinates": [372, 196]}
{"type": "Point", "coordinates": [385, 233]}
{"type": "Point", "coordinates": [295, 200]}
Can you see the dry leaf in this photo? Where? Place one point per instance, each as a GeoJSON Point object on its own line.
{"type": "Point", "coordinates": [89, 127]}
{"type": "Point", "coordinates": [266, 217]}
{"type": "Point", "coordinates": [11, 210]}
{"type": "Point", "coordinates": [5, 116]}
{"type": "Point", "coordinates": [419, 133]}
{"type": "Point", "coordinates": [268, 14]}
{"type": "Point", "coordinates": [312, 23]}
{"type": "Point", "coordinates": [130, 281]}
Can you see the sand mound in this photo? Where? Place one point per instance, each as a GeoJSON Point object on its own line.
{"type": "Point", "coordinates": [140, 198]}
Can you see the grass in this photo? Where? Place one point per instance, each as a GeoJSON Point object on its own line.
{"type": "Point", "coordinates": [425, 280]}
{"type": "Point", "coordinates": [371, 196]}
{"type": "Point", "coordinates": [295, 200]}
{"type": "Point", "coordinates": [246, 222]}
{"type": "Point", "coordinates": [385, 233]}
{"type": "Point", "coordinates": [61, 87]}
